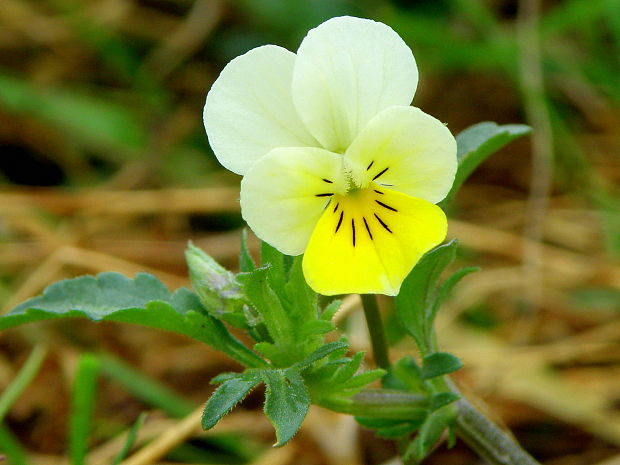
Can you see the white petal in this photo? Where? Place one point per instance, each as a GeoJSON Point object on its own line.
{"type": "Point", "coordinates": [407, 150]}
{"type": "Point", "coordinates": [281, 195]}
{"type": "Point", "coordinates": [249, 109]}
{"type": "Point", "coordinates": [348, 70]}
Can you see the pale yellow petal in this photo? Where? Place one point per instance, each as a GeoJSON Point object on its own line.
{"type": "Point", "coordinates": [249, 109]}
{"type": "Point", "coordinates": [368, 242]}
{"type": "Point", "coordinates": [407, 150]}
{"type": "Point", "coordinates": [284, 194]}
{"type": "Point", "coordinates": [347, 70]}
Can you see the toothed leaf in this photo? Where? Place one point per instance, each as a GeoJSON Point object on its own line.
{"type": "Point", "coordinates": [286, 402]}
{"type": "Point", "coordinates": [226, 397]}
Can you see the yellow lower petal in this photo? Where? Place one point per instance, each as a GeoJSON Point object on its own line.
{"type": "Point", "coordinates": [368, 241]}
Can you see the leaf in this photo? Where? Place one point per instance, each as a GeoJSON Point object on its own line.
{"type": "Point", "coordinates": [11, 448]}
{"type": "Point", "coordinates": [322, 352]}
{"type": "Point", "coordinates": [442, 399]}
{"type": "Point", "coordinates": [257, 287]}
{"type": "Point", "coordinates": [415, 302]}
{"type": "Point", "coordinates": [301, 301]}
{"type": "Point", "coordinates": [330, 310]}
{"type": "Point", "coordinates": [145, 388]}
{"type": "Point", "coordinates": [360, 381]}
{"type": "Point", "coordinates": [316, 327]}
{"type": "Point", "coordinates": [273, 261]}
{"type": "Point", "coordinates": [21, 380]}
{"type": "Point", "coordinates": [406, 375]}
{"type": "Point", "coordinates": [286, 402]}
{"type": "Point", "coordinates": [246, 262]}
{"type": "Point", "coordinates": [440, 363]}
{"type": "Point", "coordinates": [227, 396]}
{"type": "Point", "coordinates": [448, 285]}
{"type": "Point", "coordinates": [430, 432]}
{"type": "Point", "coordinates": [390, 429]}
{"type": "Point", "coordinates": [347, 371]}
{"type": "Point", "coordinates": [131, 439]}
{"type": "Point", "coordinates": [400, 430]}
{"type": "Point", "coordinates": [270, 351]}
{"type": "Point", "coordinates": [83, 399]}
{"type": "Point", "coordinates": [95, 121]}
{"type": "Point", "coordinates": [476, 143]}
{"type": "Point", "coordinates": [143, 300]}
{"type": "Point", "coordinates": [376, 423]}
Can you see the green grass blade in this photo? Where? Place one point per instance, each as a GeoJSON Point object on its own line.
{"type": "Point", "coordinates": [11, 448]}
{"type": "Point", "coordinates": [145, 388]}
{"type": "Point", "coordinates": [131, 438]}
{"type": "Point", "coordinates": [82, 407]}
{"type": "Point", "coordinates": [22, 380]}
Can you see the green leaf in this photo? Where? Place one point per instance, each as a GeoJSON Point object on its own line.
{"type": "Point", "coordinates": [440, 363]}
{"type": "Point", "coordinates": [406, 375]}
{"type": "Point", "coordinates": [227, 396]}
{"type": "Point", "coordinates": [246, 262]}
{"type": "Point", "coordinates": [22, 380]}
{"type": "Point", "coordinates": [270, 351]}
{"type": "Point", "coordinates": [82, 407]}
{"type": "Point", "coordinates": [442, 399]}
{"type": "Point", "coordinates": [330, 310]}
{"type": "Point", "coordinates": [347, 371]}
{"type": "Point", "coordinates": [447, 286]}
{"type": "Point", "coordinates": [143, 300]}
{"type": "Point", "coordinates": [273, 261]}
{"type": "Point", "coordinates": [223, 377]}
{"type": "Point", "coordinates": [130, 440]}
{"type": "Point", "coordinates": [363, 379]}
{"type": "Point", "coordinates": [376, 423]}
{"type": "Point", "coordinates": [400, 430]}
{"type": "Point", "coordinates": [286, 402]}
{"type": "Point", "coordinates": [95, 121]}
{"type": "Point", "coordinates": [390, 429]}
{"type": "Point", "coordinates": [415, 302]}
{"type": "Point", "coordinates": [147, 389]}
{"type": "Point", "coordinates": [316, 327]}
{"type": "Point", "coordinates": [301, 301]}
{"type": "Point", "coordinates": [11, 448]}
{"type": "Point", "coordinates": [322, 352]}
{"type": "Point", "coordinates": [476, 143]}
{"type": "Point", "coordinates": [266, 301]}
{"type": "Point", "coordinates": [430, 432]}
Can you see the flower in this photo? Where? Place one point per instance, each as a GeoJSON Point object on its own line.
{"type": "Point", "coordinates": [335, 163]}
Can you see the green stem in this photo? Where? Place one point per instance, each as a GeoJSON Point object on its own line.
{"type": "Point", "coordinates": [494, 445]}
{"type": "Point", "coordinates": [380, 403]}
{"type": "Point", "coordinates": [375, 328]}
{"type": "Point", "coordinates": [489, 441]}
{"type": "Point", "coordinates": [484, 437]}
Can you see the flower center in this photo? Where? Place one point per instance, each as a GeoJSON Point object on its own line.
{"type": "Point", "coordinates": [361, 213]}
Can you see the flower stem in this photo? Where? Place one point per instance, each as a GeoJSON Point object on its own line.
{"type": "Point", "coordinates": [375, 328]}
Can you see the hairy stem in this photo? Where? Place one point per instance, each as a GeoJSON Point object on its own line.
{"type": "Point", "coordinates": [381, 403]}
{"type": "Point", "coordinates": [375, 328]}
{"type": "Point", "coordinates": [489, 441]}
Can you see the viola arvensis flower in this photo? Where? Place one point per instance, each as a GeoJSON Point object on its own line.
{"type": "Point", "coordinates": [336, 164]}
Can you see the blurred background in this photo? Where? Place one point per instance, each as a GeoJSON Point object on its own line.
{"type": "Point", "coordinates": [104, 165]}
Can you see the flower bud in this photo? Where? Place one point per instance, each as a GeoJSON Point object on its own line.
{"type": "Point", "coordinates": [216, 287]}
